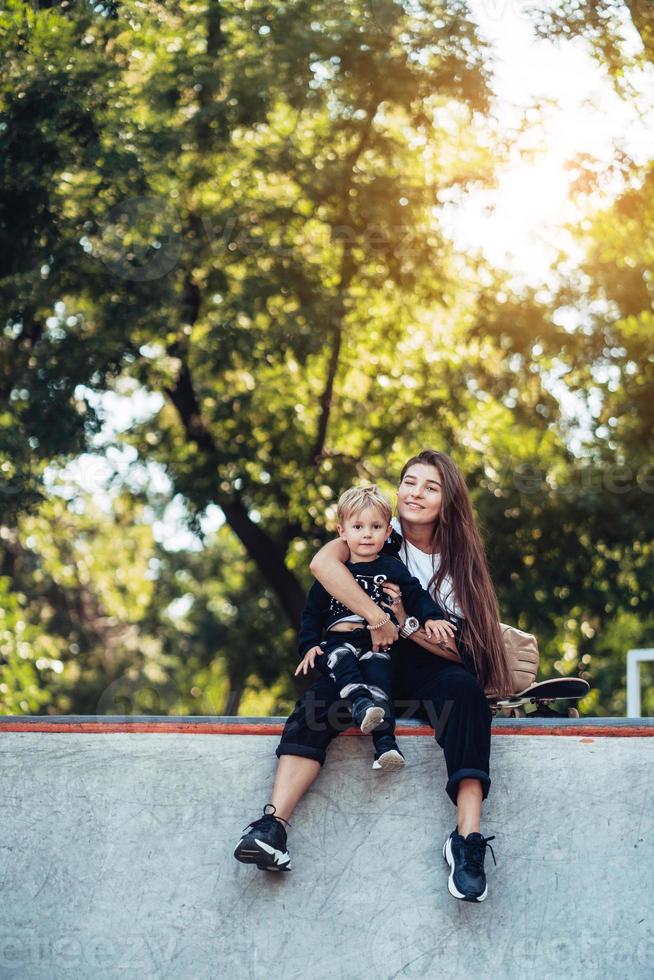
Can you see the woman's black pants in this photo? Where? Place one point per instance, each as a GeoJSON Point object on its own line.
{"type": "Point", "coordinates": [445, 694]}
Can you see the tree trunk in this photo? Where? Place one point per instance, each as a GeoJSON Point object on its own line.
{"type": "Point", "coordinates": [233, 699]}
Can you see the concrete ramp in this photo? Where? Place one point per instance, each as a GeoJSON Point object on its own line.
{"type": "Point", "coordinates": [116, 857]}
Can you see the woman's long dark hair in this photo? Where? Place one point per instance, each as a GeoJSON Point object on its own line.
{"type": "Point", "coordinates": [457, 538]}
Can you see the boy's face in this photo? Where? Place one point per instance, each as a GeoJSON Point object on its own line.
{"type": "Point", "coordinates": [365, 533]}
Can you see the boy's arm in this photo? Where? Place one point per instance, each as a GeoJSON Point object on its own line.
{"type": "Point", "coordinates": [313, 618]}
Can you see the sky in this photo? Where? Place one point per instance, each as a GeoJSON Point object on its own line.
{"type": "Point", "coordinates": [584, 114]}
{"type": "Point", "coordinates": [518, 225]}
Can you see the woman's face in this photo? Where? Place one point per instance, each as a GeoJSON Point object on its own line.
{"type": "Point", "coordinates": [419, 495]}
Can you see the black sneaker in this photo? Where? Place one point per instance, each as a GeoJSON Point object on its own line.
{"type": "Point", "coordinates": [367, 715]}
{"type": "Point", "coordinates": [264, 843]}
{"type": "Point", "coordinates": [465, 856]}
{"type": "Point", "coordinates": [387, 755]}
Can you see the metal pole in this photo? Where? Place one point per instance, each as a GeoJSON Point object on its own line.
{"type": "Point", "coordinates": [634, 658]}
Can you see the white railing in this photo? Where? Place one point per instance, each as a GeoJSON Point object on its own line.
{"type": "Point", "coordinates": [634, 660]}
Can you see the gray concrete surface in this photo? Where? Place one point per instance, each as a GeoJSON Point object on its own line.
{"type": "Point", "coordinates": [116, 862]}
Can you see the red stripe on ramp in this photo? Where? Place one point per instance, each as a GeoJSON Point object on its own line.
{"type": "Point", "coordinates": [225, 728]}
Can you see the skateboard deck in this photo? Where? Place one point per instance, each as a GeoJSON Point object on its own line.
{"type": "Point", "coordinates": [536, 699]}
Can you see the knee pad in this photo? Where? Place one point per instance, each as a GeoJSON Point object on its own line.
{"type": "Point", "coordinates": [378, 694]}
{"type": "Point", "coordinates": [375, 654]}
{"type": "Point", "coordinates": [350, 688]}
{"type": "Point", "coordinates": [338, 653]}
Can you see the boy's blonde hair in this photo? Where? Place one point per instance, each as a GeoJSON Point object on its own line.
{"type": "Point", "coordinates": [357, 499]}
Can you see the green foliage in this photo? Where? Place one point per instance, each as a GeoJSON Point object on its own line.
{"type": "Point", "coordinates": [223, 630]}
{"type": "Point", "coordinates": [240, 207]}
{"type": "Point", "coordinates": [96, 618]}
{"type": "Point", "coordinates": [25, 655]}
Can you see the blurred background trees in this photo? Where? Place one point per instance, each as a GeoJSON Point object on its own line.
{"type": "Point", "coordinates": [232, 220]}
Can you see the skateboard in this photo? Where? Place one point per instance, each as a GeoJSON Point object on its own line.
{"type": "Point", "coordinates": [536, 700]}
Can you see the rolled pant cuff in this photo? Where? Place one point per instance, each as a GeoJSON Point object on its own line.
{"type": "Point", "coordinates": [306, 751]}
{"type": "Point", "coordinates": [452, 787]}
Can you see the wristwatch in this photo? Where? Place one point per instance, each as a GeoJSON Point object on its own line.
{"type": "Point", "coordinates": [411, 624]}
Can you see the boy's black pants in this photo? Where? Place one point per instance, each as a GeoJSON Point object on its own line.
{"type": "Point", "coordinates": [356, 669]}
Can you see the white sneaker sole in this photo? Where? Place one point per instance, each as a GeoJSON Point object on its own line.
{"type": "Point", "coordinates": [265, 856]}
{"type": "Point", "coordinates": [389, 761]}
{"type": "Point", "coordinates": [451, 887]}
{"type": "Point", "coordinates": [371, 720]}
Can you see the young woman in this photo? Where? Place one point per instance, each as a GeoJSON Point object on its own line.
{"type": "Point", "coordinates": [443, 682]}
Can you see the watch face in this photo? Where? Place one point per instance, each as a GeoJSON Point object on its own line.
{"type": "Point", "coordinates": [412, 623]}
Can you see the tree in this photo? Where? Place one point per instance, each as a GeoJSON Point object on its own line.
{"type": "Point", "coordinates": [80, 582]}
{"type": "Point", "coordinates": [614, 288]}
{"type": "Point", "coordinates": [301, 139]}
{"type": "Point", "coordinates": [240, 207]}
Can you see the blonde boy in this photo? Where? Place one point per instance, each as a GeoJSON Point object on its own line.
{"type": "Point", "coordinates": [363, 676]}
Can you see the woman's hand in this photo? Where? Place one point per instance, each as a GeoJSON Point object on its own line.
{"type": "Point", "coordinates": [394, 603]}
{"type": "Point", "coordinates": [440, 630]}
{"type": "Point", "coordinates": [308, 660]}
{"type": "Point", "coordinates": [385, 636]}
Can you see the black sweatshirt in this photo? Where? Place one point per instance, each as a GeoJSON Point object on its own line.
{"type": "Point", "coordinates": [323, 610]}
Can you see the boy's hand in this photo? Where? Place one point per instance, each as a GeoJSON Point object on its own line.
{"type": "Point", "coordinates": [308, 660]}
{"type": "Point", "coordinates": [440, 630]}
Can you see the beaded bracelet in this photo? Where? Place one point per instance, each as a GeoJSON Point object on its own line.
{"type": "Point", "coordinates": [381, 623]}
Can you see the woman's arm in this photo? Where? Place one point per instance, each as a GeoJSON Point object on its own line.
{"type": "Point", "coordinates": [328, 566]}
{"type": "Point", "coordinates": [446, 650]}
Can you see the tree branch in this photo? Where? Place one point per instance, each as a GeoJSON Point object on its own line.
{"type": "Point", "coordinates": [210, 80]}
{"type": "Point", "coordinates": [268, 554]}
{"type": "Point", "coordinates": [326, 398]}
{"type": "Point", "coordinates": [345, 278]}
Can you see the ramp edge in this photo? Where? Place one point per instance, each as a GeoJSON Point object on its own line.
{"type": "Point", "coordinates": [223, 725]}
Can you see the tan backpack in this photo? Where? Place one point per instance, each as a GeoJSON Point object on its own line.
{"type": "Point", "coordinates": [522, 657]}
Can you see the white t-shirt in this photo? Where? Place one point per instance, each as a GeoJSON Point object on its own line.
{"type": "Point", "coordinates": [424, 566]}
